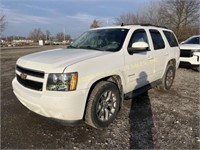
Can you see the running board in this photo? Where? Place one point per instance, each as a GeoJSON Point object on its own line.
{"type": "Point", "coordinates": [141, 90]}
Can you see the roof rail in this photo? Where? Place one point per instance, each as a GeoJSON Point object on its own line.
{"type": "Point", "coordinates": [145, 24]}
{"type": "Point", "coordinates": [153, 25]}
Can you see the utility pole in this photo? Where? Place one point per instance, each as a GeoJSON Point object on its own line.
{"type": "Point", "coordinates": [64, 34]}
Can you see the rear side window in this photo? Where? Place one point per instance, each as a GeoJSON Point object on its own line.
{"type": "Point", "coordinates": [157, 39]}
{"type": "Point", "coordinates": [171, 38]}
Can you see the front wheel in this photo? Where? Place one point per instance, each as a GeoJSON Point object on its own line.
{"type": "Point", "coordinates": [168, 78]}
{"type": "Point", "coordinates": [103, 105]}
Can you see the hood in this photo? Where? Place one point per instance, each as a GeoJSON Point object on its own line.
{"type": "Point", "coordinates": [190, 46]}
{"type": "Point", "coordinates": [55, 61]}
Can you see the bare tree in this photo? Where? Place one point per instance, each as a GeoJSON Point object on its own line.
{"type": "Point", "coordinates": [68, 37]}
{"type": "Point", "coordinates": [37, 35]}
{"type": "Point", "coordinates": [2, 22]}
{"type": "Point", "coordinates": [95, 24]}
{"type": "Point", "coordinates": [48, 34]}
{"type": "Point", "coordinates": [60, 36]}
{"type": "Point", "coordinates": [130, 18]}
{"type": "Point", "coordinates": [51, 38]}
{"type": "Point", "coordinates": [180, 14]}
{"type": "Point", "coordinates": [151, 13]}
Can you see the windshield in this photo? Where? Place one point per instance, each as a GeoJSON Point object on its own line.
{"type": "Point", "coordinates": [102, 39]}
{"type": "Point", "coordinates": [194, 40]}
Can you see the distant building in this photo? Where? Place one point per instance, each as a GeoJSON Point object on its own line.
{"type": "Point", "coordinates": [23, 41]}
{"type": "Point", "coordinates": [41, 42]}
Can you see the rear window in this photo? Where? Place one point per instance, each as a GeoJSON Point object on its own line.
{"type": "Point", "coordinates": [171, 38]}
{"type": "Point", "coordinates": [157, 39]}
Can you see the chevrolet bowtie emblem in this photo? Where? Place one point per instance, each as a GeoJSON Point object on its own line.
{"type": "Point", "coordinates": [23, 75]}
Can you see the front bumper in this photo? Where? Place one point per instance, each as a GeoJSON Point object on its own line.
{"type": "Point", "coordinates": [64, 106]}
{"type": "Point", "coordinates": [195, 60]}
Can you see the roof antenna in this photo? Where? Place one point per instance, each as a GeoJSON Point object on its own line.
{"type": "Point", "coordinates": [122, 24]}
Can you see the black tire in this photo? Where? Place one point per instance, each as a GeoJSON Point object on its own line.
{"type": "Point", "coordinates": [168, 78]}
{"type": "Point", "coordinates": [101, 110]}
{"type": "Point", "coordinates": [197, 68]}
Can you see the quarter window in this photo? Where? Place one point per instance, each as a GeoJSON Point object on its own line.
{"type": "Point", "coordinates": [157, 39]}
{"type": "Point", "coordinates": [171, 38]}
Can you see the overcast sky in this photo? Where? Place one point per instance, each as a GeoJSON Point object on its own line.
{"type": "Point", "coordinates": [75, 16]}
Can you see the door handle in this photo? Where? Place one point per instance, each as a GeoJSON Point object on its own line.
{"type": "Point", "coordinates": [166, 54]}
{"type": "Point", "coordinates": [149, 58]}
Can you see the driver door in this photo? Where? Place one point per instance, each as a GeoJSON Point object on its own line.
{"type": "Point", "coordinates": [139, 66]}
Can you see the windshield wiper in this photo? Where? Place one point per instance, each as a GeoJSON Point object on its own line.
{"type": "Point", "coordinates": [90, 47]}
{"type": "Point", "coordinates": [71, 46]}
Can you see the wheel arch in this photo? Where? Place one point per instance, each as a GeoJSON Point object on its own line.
{"type": "Point", "coordinates": [116, 79]}
{"type": "Point", "coordinates": [170, 62]}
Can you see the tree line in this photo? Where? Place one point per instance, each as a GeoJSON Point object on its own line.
{"type": "Point", "coordinates": [37, 35]}
{"type": "Point", "coordinates": [2, 22]}
{"type": "Point", "coordinates": [181, 16]}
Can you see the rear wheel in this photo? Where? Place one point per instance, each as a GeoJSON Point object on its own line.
{"type": "Point", "coordinates": [103, 104]}
{"type": "Point", "coordinates": [168, 78]}
{"type": "Point", "coordinates": [197, 68]}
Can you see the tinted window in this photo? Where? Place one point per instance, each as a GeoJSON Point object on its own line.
{"type": "Point", "coordinates": [158, 42]}
{"type": "Point", "coordinates": [171, 38]}
{"type": "Point", "coordinates": [194, 40]}
{"type": "Point", "coordinates": [138, 36]}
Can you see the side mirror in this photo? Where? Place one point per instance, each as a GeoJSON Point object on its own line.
{"type": "Point", "coordinates": [138, 47]}
{"type": "Point", "coordinates": [183, 42]}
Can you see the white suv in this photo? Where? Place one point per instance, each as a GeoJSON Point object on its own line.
{"type": "Point", "coordinates": [88, 80]}
{"type": "Point", "coordinates": [190, 52]}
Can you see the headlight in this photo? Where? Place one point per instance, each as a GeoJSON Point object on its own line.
{"type": "Point", "coordinates": [196, 50]}
{"type": "Point", "coordinates": [62, 81]}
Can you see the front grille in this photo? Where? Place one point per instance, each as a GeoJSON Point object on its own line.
{"type": "Point", "coordinates": [30, 84]}
{"type": "Point", "coordinates": [186, 53]}
{"type": "Point", "coordinates": [34, 73]}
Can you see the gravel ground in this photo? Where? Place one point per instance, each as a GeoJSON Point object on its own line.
{"type": "Point", "coordinates": [154, 120]}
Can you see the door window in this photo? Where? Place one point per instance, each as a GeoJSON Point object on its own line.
{"type": "Point", "coordinates": [157, 39]}
{"type": "Point", "coordinates": [171, 39]}
{"type": "Point", "coordinates": [138, 36]}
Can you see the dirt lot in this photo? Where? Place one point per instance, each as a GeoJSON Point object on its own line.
{"type": "Point", "coordinates": [155, 120]}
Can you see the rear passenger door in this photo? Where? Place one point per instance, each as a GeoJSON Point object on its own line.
{"type": "Point", "coordinates": [173, 46]}
{"type": "Point", "coordinates": [161, 53]}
